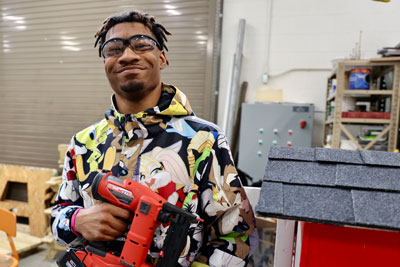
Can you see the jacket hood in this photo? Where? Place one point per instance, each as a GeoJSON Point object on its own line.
{"type": "Point", "coordinates": [150, 122]}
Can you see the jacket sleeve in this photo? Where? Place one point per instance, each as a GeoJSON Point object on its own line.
{"type": "Point", "coordinates": [228, 217]}
{"type": "Point", "coordinates": [67, 202]}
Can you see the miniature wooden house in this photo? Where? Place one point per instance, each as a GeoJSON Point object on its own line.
{"type": "Point", "coordinates": [348, 202]}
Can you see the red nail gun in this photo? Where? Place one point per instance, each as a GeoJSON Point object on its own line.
{"type": "Point", "coordinates": [150, 209]}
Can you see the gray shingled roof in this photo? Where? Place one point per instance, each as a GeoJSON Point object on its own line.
{"type": "Point", "coordinates": [344, 187]}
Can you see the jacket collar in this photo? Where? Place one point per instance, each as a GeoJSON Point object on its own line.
{"type": "Point", "coordinates": [152, 121]}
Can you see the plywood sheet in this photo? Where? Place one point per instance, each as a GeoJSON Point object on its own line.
{"type": "Point", "coordinates": [23, 243]}
{"type": "Point", "coordinates": [38, 190]}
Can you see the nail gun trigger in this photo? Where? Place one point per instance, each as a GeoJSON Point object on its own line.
{"type": "Point", "coordinates": [163, 216]}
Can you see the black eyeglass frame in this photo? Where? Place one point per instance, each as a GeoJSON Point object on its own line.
{"type": "Point", "coordinates": [127, 41]}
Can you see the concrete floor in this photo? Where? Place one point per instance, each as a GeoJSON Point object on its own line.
{"type": "Point", "coordinates": [37, 258]}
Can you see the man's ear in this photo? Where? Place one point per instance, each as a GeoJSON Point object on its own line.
{"type": "Point", "coordinates": [163, 60]}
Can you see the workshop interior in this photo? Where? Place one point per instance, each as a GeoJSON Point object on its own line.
{"type": "Point", "coordinates": [306, 92]}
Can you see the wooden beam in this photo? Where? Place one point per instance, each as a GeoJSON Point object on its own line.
{"type": "Point", "coordinates": [352, 139]}
{"type": "Point", "coordinates": [284, 243]}
{"type": "Point", "coordinates": [365, 121]}
{"type": "Point", "coordinates": [379, 136]}
{"type": "Point", "coordinates": [385, 59]}
{"type": "Point", "coordinates": [341, 84]}
{"type": "Point", "coordinates": [395, 109]}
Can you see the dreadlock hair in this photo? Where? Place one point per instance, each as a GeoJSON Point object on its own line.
{"type": "Point", "coordinates": [132, 16]}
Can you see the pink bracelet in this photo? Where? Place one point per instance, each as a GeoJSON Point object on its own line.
{"type": "Point", "coordinates": [73, 221]}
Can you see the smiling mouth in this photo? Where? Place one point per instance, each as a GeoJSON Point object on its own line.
{"type": "Point", "coordinates": [131, 69]}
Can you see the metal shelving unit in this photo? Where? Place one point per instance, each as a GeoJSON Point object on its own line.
{"type": "Point", "coordinates": [336, 125]}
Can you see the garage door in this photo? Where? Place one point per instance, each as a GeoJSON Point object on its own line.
{"type": "Point", "coordinates": [52, 82]}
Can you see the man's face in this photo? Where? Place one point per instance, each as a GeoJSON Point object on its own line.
{"type": "Point", "coordinates": [132, 75]}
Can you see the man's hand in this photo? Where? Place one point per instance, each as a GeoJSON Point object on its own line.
{"type": "Point", "coordinates": [102, 222]}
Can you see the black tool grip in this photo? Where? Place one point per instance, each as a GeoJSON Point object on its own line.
{"type": "Point", "coordinates": [98, 251]}
{"type": "Point", "coordinates": [175, 240]}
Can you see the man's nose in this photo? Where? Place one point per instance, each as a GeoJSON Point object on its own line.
{"type": "Point", "coordinates": [129, 54]}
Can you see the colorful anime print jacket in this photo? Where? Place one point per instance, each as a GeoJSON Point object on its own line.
{"type": "Point", "coordinates": [182, 157]}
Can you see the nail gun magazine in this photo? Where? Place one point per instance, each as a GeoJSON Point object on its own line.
{"type": "Point", "coordinates": [149, 211]}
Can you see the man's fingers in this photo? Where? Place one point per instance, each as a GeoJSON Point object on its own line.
{"type": "Point", "coordinates": [106, 219]}
{"type": "Point", "coordinates": [118, 212]}
{"type": "Point", "coordinates": [102, 237]}
{"type": "Point", "coordinates": [101, 222]}
{"type": "Point", "coordinates": [110, 231]}
{"type": "Point", "coordinates": [103, 233]}
{"type": "Point", "coordinates": [118, 224]}
{"type": "Point", "coordinates": [112, 218]}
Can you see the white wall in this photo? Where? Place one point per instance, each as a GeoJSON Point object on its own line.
{"type": "Point", "coordinates": [305, 34]}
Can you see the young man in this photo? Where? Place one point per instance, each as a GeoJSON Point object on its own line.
{"type": "Point", "coordinates": [151, 135]}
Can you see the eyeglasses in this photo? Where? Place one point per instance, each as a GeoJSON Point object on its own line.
{"type": "Point", "coordinates": [139, 43]}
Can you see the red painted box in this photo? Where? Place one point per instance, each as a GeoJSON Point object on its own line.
{"type": "Point", "coordinates": [332, 246]}
{"type": "Point", "coordinates": [366, 115]}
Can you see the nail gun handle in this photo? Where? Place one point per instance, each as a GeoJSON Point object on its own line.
{"type": "Point", "coordinates": [140, 235]}
{"type": "Point", "coordinates": [176, 238]}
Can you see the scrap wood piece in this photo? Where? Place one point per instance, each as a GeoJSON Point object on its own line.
{"type": "Point", "coordinates": [54, 182]}
{"type": "Point", "coordinates": [35, 178]}
{"type": "Point", "coordinates": [62, 149]}
{"type": "Point", "coordinates": [23, 243]}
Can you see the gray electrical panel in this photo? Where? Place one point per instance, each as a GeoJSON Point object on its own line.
{"type": "Point", "coordinates": [271, 124]}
